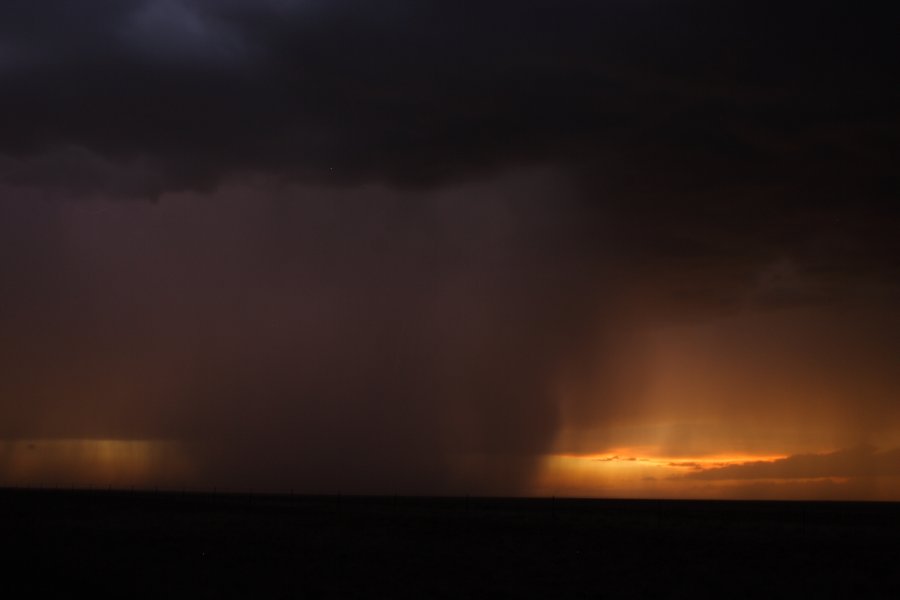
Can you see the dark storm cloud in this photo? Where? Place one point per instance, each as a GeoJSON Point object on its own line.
{"type": "Point", "coordinates": [355, 340]}
{"type": "Point", "coordinates": [751, 133]}
{"type": "Point", "coordinates": [673, 93]}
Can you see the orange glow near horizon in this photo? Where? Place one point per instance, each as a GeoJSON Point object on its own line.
{"type": "Point", "coordinates": [639, 472]}
{"type": "Point", "coordinates": [92, 462]}
{"type": "Point", "coordinates": [641, 454]}
{"type": "Point", "coordinates": [748, 404]}
{"type": "Point", "coordinates": [648, 472]}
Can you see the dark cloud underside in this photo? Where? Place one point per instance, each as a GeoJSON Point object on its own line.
{"type": "Point", "coordinates": [412, 93]}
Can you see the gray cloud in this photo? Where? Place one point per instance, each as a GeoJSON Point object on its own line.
{"type": "Point", "coordinates": [174, 31]}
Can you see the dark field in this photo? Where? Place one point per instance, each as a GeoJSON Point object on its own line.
{"type": "Point", "coordinates": [148, 544]}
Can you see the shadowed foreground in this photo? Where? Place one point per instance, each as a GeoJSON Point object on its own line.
{"type": "Point", "coordinates": [149, 544]}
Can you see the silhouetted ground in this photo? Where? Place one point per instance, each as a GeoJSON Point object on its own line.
{"type": "Point", "coordinates": [147, 544]}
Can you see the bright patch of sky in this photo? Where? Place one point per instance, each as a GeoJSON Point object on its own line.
{"type": "Point", "coordinates": [173, 30]}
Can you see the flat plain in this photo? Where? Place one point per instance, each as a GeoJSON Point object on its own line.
{"type": "Point", "coordinates": [164, 544]}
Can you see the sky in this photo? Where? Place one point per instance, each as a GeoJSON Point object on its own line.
{"type": "Point", "coordinates": [642, 248]}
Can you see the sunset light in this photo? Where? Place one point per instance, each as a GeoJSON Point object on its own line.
{"type": "Point", "coordinates": [123, 464]}
{"type": "Point", "coordinates": [440, 299]}
{"type": "Point", "coordinates": [636, 473]}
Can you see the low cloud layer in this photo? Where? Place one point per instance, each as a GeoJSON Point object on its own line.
{"type": "Point", "coordinates": [862, 461]}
